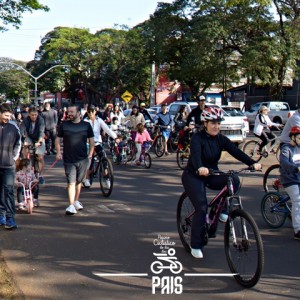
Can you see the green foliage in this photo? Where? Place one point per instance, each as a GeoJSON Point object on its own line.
{"type": "Point", "coordinates": [11, 11]}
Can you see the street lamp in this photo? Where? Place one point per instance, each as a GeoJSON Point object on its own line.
{"type": "Point", "coordinates": [35, 78]}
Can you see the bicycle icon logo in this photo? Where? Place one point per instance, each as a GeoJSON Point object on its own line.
{"type": "Point", "coordinates": [173, 265]}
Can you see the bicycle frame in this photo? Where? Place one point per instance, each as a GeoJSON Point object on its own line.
{"type": "Point", "coordinates": [281, 206]}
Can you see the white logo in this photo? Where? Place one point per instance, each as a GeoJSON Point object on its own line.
{"type": "Point", "coordinates": [166, 260]}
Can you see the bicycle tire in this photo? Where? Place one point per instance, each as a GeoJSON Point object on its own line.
{"type": "Point", "coordinates": [251, 148]}
{"type": "Point", "coordinates": [274, 219]}
{"type": "Point", "coordinates": [245, 257]}
{"type": "Point", "coordinates": [147, 160]}
{"type": "Point", "coordinates": [159, 147]}
{"type": "Point", "coordinates": [131, 151]}
{"type": "Point", "coordinates": [184, 218]}
{"type": "Point", "coordinates": [173, 141]}
{"type": "Point", "coordinates": [182, 157]}
{"type": "Point", "coordinates": [93, 172]}
{"type": "Point", "coordinates": [277, 153]}
{"type": "Point", "coordinates": [106, 187]}
{"type": "Point", "coordinates": [271, 179]}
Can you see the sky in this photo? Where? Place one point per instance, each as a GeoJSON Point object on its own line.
{"type": "Point", "coordinates": [21, 44]}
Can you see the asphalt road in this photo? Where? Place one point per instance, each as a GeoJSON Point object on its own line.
{"type": "Point", "coordinates": [54, 256]}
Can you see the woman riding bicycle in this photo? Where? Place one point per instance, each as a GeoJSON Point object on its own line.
{"type": "Point", "coordinates": [206, 147]}
{"type": "Point", "coordinates": [262, 127]}
{"type": "Point", "coordinates": [290, 175]}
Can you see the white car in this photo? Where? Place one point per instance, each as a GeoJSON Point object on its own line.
{"type": "Point", "coordinates": [152, 112]}
{"type": "Point", "coordinates": [237, 112]}
{"type": "Point", "coordinates": [234, 128]}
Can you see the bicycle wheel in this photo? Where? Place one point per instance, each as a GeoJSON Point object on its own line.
{"type": "Point", "coordinates": [93, 171]}
{"type": "Point", "coordinates": [173, 141]}
{"type": "Point", "coordinates": [106, 177]}
{"type": "Point", "coordinates": [131, 150]}
{"type": "Point", "coordinates": [273, 214]}
{"type": "Point", "coordinates": [251, 148]}
{"type": "Point", "coordinates": [271, 180]}
{"type": "Point", "coordinates": [182, 157]}
{"type": "Point", "coordinates": [277, 153]}
{"type": "Point", "coordinates": [147, 160]}
{"type": "Point", "coordinates": [159, 147]}
{"type": "Point", "coordinates": [184, 217]}
{"type": "Point", "coordinates": [243, 248]}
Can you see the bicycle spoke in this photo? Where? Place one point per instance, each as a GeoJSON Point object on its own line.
{"type": "Point", "coordinates": [244, 248]}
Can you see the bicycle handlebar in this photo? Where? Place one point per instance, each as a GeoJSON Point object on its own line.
{"type": "Point", "coordinates": [232, 172]}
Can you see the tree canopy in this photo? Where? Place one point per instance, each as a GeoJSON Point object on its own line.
{"type": "Point", "coordinates": [11, 11]}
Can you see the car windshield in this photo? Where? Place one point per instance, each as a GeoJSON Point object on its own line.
{"type": "Point", "coordinates": [233, 111]}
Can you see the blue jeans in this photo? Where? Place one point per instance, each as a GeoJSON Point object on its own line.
{"type": "Point", "coordinates": [195, 187]}
{"type": "Point", "coordinates": [7, 200]}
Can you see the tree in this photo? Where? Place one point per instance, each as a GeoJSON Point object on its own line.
{"type": "Point", "coordinates": [11, 11]}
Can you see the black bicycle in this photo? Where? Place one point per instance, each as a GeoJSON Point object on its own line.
{"type": "Point", "coordinates": [101, 167]}
{"type": "Point", "coordinates": [242, 241]}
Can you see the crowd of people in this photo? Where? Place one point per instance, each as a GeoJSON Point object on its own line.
{"type": "Point", "coordinates": [79, 132]}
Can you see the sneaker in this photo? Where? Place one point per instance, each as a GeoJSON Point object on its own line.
{"type": "Point", "coordinates": [2, 220]}
{"type": "Point", "coordinates": [86, 183]}
{"type": "Point", "coordinates": [71, 210]}
{"type": "Point", "coordinates": [41, 180]}
{"type": "Point", "coordinates": [223, 217]}
{"type": "Point", "coordinates": [54, 152]}
{"type": "Point", "coordinates": [21, 206]}
{"type": "Point", "coordinates": [107, 183]}
{"type": "Point", "coordinates": [36, 203]}
{"type": "Point", "coordinates": [10, 223]}
{"type": "Point", "coordinates": [297, 235]}
{"type": "Point", "coordinates": [78, 205]}
{"type": "Point", "coordinates": [48, 153]}
{"type": "Point", "coordinates": [197, 253]}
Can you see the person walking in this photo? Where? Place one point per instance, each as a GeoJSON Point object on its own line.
{"type": "Point", "coordinates": [10, 147]}
{"type": "Point", "coordinates": [50, 117]}
{"type": "Point", "coordinates": [74, 133]}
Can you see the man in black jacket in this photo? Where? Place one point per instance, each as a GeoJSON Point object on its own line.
{"type": "Point", "coordinates": [10, 145]}
{"type": "Point", "coordinates": [195, 114]}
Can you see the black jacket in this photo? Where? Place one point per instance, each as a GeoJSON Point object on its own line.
{"type": "Point", "coordinates": [39, 129]}
{"type": "Point", "coordinates": [10, 145]}
{"type": "Point", "coordinates": [206, 151]}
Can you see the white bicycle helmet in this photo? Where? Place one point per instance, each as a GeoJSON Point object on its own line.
{"type": "Point", "coordinates": [212, 114]}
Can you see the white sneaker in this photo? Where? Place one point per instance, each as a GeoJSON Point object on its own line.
{"type": "Point", "coordinates": [71, 210]}
{"type": "Point", "coordinates": [197, 253]}
{"type": "Point", "coordinates": [86, 183]}
{"type": "Point", "coordinates": [21, 206]}
{"type": "Point", "coordinates": [78, 205]}
{"type": "Point", "coordinates": [107, 183]}
{"type": "Point", "coordinates": [223, 218]}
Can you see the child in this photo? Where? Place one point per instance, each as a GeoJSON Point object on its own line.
{"type": "Point", "coordinates": [142, 135]}
{"type": "Point", "coordinates": [25, 176]}
{"type": "Point", "coordinates": [290, 175]}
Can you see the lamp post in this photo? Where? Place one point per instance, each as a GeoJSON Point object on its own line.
{"type": "Point", "coordinates": [34, 77]}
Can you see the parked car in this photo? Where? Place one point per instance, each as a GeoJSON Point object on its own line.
{"type": "Point", "coordinates": [234, 111]}
{"type": "Point", "coordinates": [279, 112]}
{"type": "Point", "coordinates": [233, 127]}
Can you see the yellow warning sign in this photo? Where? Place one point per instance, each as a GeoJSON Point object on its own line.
{"type": "Point", "coordinates": [127, 96]}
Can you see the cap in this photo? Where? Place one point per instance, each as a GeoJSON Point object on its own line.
{"type": "Point", "coordinates": [142, 104]}
{"type": "Point", "coordinates": [201, 98]}
{"type": "Point", "coordinates": [91, 107]}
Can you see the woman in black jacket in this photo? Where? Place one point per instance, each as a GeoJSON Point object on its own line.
{"type": "Point", "coordinates": [206, 149]}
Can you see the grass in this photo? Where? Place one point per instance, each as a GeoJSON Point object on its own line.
{"type": "Point", "coordinates": [8, 287]}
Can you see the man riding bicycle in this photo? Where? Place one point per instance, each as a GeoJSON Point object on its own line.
{"type": "Point", "coordinates": [206, 147]}
{"type": "Point", "coordinates": [33, 131]}
{"type": "Point", "coordinates": [97, 124]}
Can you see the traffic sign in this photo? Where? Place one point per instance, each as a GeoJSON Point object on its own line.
{"type": "Point", "coordinates": [126, 96]}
